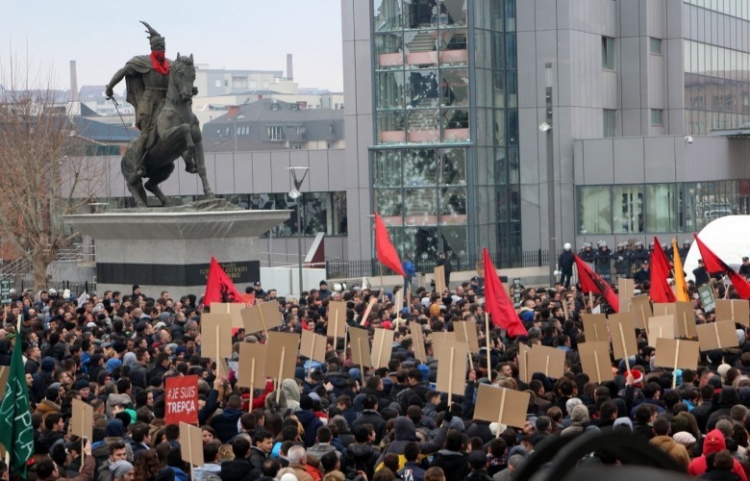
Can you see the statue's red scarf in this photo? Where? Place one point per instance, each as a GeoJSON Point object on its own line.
{"type": "Point", "coordinates": [159, 63]}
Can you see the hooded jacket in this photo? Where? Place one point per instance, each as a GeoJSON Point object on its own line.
{"type": "Point", "coordinates": [291, 394]}
{"type": "Point", "coordinates": [225, 424]}
{"type": "Point", "coordinates": [454, 464]}
{"type": "Point", "coordinates": [674, 450]}
{"type": "Point", "coordinates": [405, 432]}
{"type": "Point", "coordinates": [310, 422]}
{"type": "Point", "coordinates": [713, 443]}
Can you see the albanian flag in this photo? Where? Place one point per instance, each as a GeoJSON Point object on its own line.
{"type": "Point", "coordinates": [592, 282]}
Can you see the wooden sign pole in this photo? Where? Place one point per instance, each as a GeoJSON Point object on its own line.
{"type": "Point", "coordinates": [565, 309]}
{"type": "Point", "coordinates": [218, 343]}
{"type": "Point", "coordinates": [192, 465]}
{"type": "Point", "coordinates": [310, 357]}
{"type": "Point", "coordinates": [674, 371]}
{"type": "Point", "coordinates": [263, 322]}
{"type": "Point", "coordinates": [546, 368]}
{"type": "Point", "coordinates": [591, 302]}
{"type": "Point", "coordinates": [382, 283]}
{"type": "Point", "coordinates": [361, 364]}
{"type": "Point", "coordinates": [346, 341]}
{"type": "Point", "coordinates": [336, 330]}
{"type": "Point", "coordinates": [500, 414]}
{"type": "Point", "coordinates": [624, 349]}
{"type": "Point", "coordinates": [718, 338]}
{"type": "Point", "coordinates": [281, 372]}
{"type": "Point", "coordinates": [468, 347]}
{"type": "Point", "coordinates": [487, 339]}
{"type": "Point", "coordinates": [450, 379]}
{"type": "Point", "coordinates": [380, 351]}
{"type": "Point", "coordinates": [252, 385]}
{"type": "Point", "coordinates": [598, 371]}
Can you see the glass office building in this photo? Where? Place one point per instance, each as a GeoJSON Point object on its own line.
{"type": "Point", "coordinates": [445, 157]}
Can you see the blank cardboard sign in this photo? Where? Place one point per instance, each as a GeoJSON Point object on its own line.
{"type": "Point", "coordinates": [595, 327]}
{"type": "Point", "coordinates": [313, 346]}
{"type": "Point", "coordinates": [523, 363]}
{"type": "Point", "coordinates": [466, 331]}
{"type": "Point", "coordinates": [717, 335]}
{"type": "Point", "coordinates": [281, 355]}
{"type": "Point", "coordinates": [684, 320]}
{"type": "Point", "coordinates": [662, 326]}
{"type": "Point", "coordinates": [191, 444]}
{"type": "Point", "coordinates": [439, 337]}
{"type": "Point", "coordinates": [232, 308]}
{"type": "Point", "coordinates": [625, 288]}
{"type": "Point", "coordinates": [382, 345]}
{"type": "Point", "coordinates": [4, 374]}
{"type": "Point", "coordinates": [439, 274]}
{"type": "Point", "coordinates": [417, 340]}
{"type": "Point", "coordinates": [677, 354]}
{"type": "Point", "coordinates": [359, 342]}
{"type": "Point", "coordinates": [216, 335]}
{"type": "Point", "coordinates": [623, 335]}
{"type": "Point", "coordinates": [595, 361]}
{"type": "Point", "coordinates": [82, 422]}
{"type": "Point", "coordinates": [641, 308]}
{"type": "Point", "coordinates": [733, 310]}
{"type": "Point", "coordinates": [664, 309]}
{"type": "Point", "coordinates": [336, 319]}
{"type": "Point", "coordinates": [550, 361]}
{"type": "Point", "coordinates": [251, 369]}
{"type": "Point", "coordinates": [502, 406]}
{"type": "Point", "coordinates": [452, 365]}
{"type": "Point", "coordinates": [261, 317]}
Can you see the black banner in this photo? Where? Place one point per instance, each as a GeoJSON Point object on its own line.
{"type": "Point", "coordinates": [173, 275]}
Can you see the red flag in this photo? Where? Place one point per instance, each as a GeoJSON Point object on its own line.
{"type": "Point", "coordinates": [219, 287]}
{"type": "Point", "coordinates": [497, 303]}
{"type": "Point", "coordinates": [387, 254]}
{"type": "Point", "coordinates": [591, 282]}
{"type": "Point", "coordinates": [715, 265]}
{"type": "Point", "coordinates": [660, 290]}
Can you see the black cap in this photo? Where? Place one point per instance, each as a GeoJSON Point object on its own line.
{"type": "Point", "coordinates": [256, 283]}
{"type": "Point", "coordinates": [475, 279]}
{"type": "Point", "coordinates": [477, 459]}
{"type": "Point", "coordinates": [323, 283]}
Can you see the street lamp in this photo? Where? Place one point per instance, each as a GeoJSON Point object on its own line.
{"type": "Point", "coordinates": [298, 176]}
{"type": "Point", "coordinates": [546, 128]}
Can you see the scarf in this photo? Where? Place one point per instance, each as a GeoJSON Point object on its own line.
{"type": "Point", "coordinates": [159, 63]}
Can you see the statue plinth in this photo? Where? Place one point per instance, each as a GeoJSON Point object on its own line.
{"type": "Point", "coordinates": [169, 249]}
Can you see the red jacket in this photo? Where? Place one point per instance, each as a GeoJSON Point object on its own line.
{"type": "Point", "coordinates": [713, 443]}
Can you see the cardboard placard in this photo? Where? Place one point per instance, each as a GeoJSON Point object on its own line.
{"type": "Point", "coordinates": [398, 302]}
{"type": "Point", "coordinates": [452, 364]}
{"type": "Point", "coordinates": [313, 346]}
{"type": "Point", "coordinates": [595, 327]}
{"type": "Point", "coordinates": [662, 326]}
{"type": "Point", "coordinates": [366, 314]}
{"type": "Point", "coordinates": [82, 422]}
{"type": "Point", "coordinates": [549, 361]}
{"type": "Point", "coordinates": [191, 444]}
{"type": "Point", "coordinates": [181, 403]}
{"type": "Point", "coordinates": [623, 335]}
{"type": "Point", "coordinates": [439, 276]}
{"type": "Point", "coordinates": [234, 309]}
{"type": "Point", "coordinates": [717, 335]}
{"type": "Point", "coordinates": [417, 340]}
{"type": "Point", "coordinates": [523, 363]}
{"type": "Point", "coordinates": [216, 335]}
{"type": "Point", "coordinates": [625, 289]}
{"type": "Point", "coordinates": [359, 342]}
{"type": "Point", "coordinates": [595, 361]}
{"type": "Point", "coordinates": [262, 317]}
{"type": "Point", "coordinates": [336, 319]}
{"type": "Point", "coordinates": [502, 406]}
{"type": "Point", "coordinates": [4, 373]}
{"type": "Point", "coordinates": [281, 355]}
{"type": "Point", "coordinates": [736, 310]}
{"type": "Point", "coordinates": [664, 309]}
{"type": "Point", "coordinates": [466, 331]}
{"type": "Point", "coordinates": [251, 369]}
{"type": "Point", "coordinates": [684, 320]}
{"type": "Point", "coordinates": [382, 346]}
{"type": "Point", "coordinates": [677, 354]}
{"type": "Point", "coordinates": [440, 336]}
{"type": "Point", "coordinates": [641, 308]}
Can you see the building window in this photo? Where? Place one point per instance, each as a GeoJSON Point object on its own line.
{"type": "Point", "coordinates": [610, 123]}
{"type": "Point", "coordinates": [275, 132]}
{"type": "Point", "coordinates": [608, 53]}
{"type": "Point", "coordinates": [595, 210]}
{"type": "Point", "coordinates": [657, 117]}
{"type": "Point", "coordinates": [655, 44]}
{"type": "Point", "coordinates": [217, 83]}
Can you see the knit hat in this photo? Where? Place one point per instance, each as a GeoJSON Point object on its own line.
{"type": "Point", "coordinates": [120, 468]}
{"type": "Point", "coordinates": [115, 429]}
{"type": "Point", "coordinates": [288, 477]}
{"type": "Point", "coordinates": [684, 438]}
{"type": "Point", "coordinates": [722, 370]}
{"type": "Point", "coordinates": [623, 422]}
{"type": "Point", "coordinates": [81, 384]}
{"type": "Point", "coordinates": [637, 377]}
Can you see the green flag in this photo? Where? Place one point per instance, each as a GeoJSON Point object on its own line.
{"type": "Point", "coordinates": [16, 432]}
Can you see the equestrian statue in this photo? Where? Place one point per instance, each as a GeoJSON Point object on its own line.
{"type": "Point", "coordinates": [161, 92]}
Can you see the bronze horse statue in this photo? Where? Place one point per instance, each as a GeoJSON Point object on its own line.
{"type": "Point", "coordinates": [178, 134]}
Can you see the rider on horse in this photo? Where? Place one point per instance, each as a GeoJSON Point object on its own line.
{"type": "Point", "coordinates": [146, 80]}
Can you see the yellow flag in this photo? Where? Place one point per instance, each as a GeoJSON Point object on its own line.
{"type": "Point", "coordinates": [679, 275]}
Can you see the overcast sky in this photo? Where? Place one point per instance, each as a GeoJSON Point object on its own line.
{"type": "Point", "coordinates": [234, 34]}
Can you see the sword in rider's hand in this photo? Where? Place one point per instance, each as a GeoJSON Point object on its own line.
{"type": "Point", "coordinates": [127, 130]}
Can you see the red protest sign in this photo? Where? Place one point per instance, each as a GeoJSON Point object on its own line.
{"type": "Point", "coordinates": [182, 400]}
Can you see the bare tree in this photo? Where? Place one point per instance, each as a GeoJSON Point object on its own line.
{"type": "Point", "coordinates": [44, 173]}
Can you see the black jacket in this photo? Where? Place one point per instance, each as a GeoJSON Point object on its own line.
{"type": "Point", "coordinates": [237, 470]}
{"type": "Point", "coordinates": [371, 417]}
{"type": "Point", "coordinates": [455, 465]}
{"type": "Point", "coordinates": [566, 261]}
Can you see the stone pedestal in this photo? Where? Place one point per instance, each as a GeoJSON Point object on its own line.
{"type": "Point", "coordinates": [170, 249]}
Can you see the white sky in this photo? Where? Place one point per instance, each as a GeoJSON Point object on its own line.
{"type": "Point", "coordinates": [101, 35]}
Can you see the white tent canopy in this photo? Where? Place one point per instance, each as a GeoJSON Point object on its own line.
{"type": "Point", "coordinates": [728, 237]}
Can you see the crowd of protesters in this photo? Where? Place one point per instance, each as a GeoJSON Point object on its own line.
{"type": "Point", "coordinates": [335, 422]}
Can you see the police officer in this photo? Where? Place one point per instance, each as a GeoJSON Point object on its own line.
{"type": "Point", "coordinates": [588, 254]}
{"type": "Point", "coordinates": [603, 258]}
{"type": "Point", "coordinates": [637, 257]}
{"type": "Point", "coordinates": [745, 267]}
{"type": "Point", "coordinates": [622, 260]}
{"type": "Point", "coordinates": [643, 274]}
{"type": "Point", "coordinates": [684, 250]}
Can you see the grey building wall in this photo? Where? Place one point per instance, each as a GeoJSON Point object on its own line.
{"type": "Point", "coordinates": [356, 18]}
{"type": "Point", "coordinates": [257, 173]}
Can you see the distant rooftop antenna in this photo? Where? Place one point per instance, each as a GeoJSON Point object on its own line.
{"type": "Point", "coordinates": [289, 67]}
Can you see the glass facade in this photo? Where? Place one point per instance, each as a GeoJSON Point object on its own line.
{"type": "Point", "coordinates": [445, 165]}
{"type": "Point", "coordinates": [659, 208]}
{"type": "Point", "coordinates": [717, 65]}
